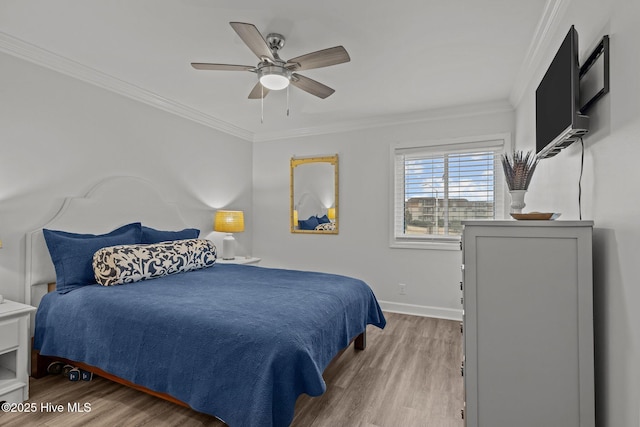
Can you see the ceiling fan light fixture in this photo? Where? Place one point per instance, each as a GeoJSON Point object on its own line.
{"type": "Point", "coordinates": [274, 77]}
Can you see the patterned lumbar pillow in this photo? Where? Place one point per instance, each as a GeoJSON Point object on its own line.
{"type": "Point", "coordinates": [115, 265]}
{"type": "Point", "coordinates": [326, 226]}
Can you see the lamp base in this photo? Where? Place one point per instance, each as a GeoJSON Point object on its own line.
{"type": "Point", "coordinates": [229, 247]}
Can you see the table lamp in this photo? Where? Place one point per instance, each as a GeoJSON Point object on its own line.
{"type": "Point", "coordinates": [331, 214]}
{"type": "Point", "coordinates": [229, 222]}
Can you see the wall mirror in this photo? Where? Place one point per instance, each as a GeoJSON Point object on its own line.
{"type": "Point", "coordinates": [314, 195]}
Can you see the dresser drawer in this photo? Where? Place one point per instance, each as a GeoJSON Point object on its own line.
{"type": "Point", "coordinates": [15, 396]}
{"type": "Point", "coordinates": [9, 334]}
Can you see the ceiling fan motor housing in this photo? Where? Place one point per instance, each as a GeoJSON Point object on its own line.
{"type": "Point", "coordinates": [275, 41]}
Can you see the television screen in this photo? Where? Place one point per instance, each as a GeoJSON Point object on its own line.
{"type": "Point", "coordinates": [558, 122]}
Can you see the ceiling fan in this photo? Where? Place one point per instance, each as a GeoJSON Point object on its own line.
{"type": "Point", "coordinates": [275, 73]}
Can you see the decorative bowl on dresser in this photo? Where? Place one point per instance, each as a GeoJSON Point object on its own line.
{"type": "Point", "coordinates": [239, 260]}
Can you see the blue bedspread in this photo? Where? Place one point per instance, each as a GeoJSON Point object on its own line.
{"type": "Point", "coordinates": [235, 341]}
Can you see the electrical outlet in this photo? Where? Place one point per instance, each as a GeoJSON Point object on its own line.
{"type": "Point", "coordinates": [402, 289]}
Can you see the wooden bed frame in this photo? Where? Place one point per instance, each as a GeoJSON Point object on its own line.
{"type": "Point", "coordinates": [110, 204]}
{"type": "Point", "coordinates": [40, 363]}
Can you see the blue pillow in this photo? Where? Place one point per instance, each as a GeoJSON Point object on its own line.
{"type": "Point", "coordinates": [151, 235]}
{"type": "Point", "coordinates": [308, 224]}
{"type": "Point", "coordinates": [323, 219]}
{"type": "Point", "coordinates": [72, 253]}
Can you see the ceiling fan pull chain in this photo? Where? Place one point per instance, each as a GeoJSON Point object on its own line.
{"type": "Point", "coordinates": [261, 104]}
{"type": "Point", "coordinates": [288, 100]}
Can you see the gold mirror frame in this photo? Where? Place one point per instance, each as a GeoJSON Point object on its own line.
{"type": "Point", "coordinates": [300, 161]}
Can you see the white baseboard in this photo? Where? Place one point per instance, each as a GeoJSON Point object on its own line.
{"type": "Point", "coordinates": [421, 310]}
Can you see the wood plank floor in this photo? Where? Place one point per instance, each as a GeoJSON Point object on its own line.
{"type": "Point", "coordinates": [408, 376]}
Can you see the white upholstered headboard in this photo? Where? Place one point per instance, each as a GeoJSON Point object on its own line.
{"type": "Point", "coordinates": [111, 203]}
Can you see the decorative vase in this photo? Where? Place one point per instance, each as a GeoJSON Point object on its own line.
{"type": "Point", "coordinates": [517, 200]}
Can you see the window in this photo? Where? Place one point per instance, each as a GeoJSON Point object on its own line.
{"type": "Point", "coordinates": [437, 187]}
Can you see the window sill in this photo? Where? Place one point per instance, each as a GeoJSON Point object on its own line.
{"type": "Point", "coordinates": [431, 245]}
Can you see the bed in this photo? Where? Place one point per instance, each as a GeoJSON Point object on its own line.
{"type": "Point", "coordinates": [239, 342]}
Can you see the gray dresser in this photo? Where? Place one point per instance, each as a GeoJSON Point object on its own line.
{"type": "Point", "coordinates": [528, 323]}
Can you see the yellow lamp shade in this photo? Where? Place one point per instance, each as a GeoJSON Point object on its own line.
{"type": "Point", "coordinates": [331, 213]}
{"type": "Point", "coordinates": [229, 221]}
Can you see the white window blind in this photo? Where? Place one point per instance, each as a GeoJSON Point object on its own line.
{"type": "Point", "coordinates": [438, 187]}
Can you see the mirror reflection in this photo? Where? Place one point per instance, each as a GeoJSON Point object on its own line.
{"type": "Point", "coordinates": [314, 194]}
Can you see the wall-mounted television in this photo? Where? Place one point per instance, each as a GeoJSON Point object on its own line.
{"type": "Point", "coordinates": [559, 122]}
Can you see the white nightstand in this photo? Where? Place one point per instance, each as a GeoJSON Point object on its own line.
{"type": "Point", "coordinates": [14, 351]}
{"type": "Point", "coordinates": [239, 260]}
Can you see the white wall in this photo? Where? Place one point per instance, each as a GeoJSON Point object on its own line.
{"type": "Point", "coordinates": [59, 137]}
{"type": "Point", "coordinates": [361, 249]}
{"type": "Point", "coordinates": [610, 197]}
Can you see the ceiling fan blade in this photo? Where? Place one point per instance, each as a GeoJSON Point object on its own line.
{"type": "Point", "coordinates": [319, 59]}
{"type": "Point", "coordinates": [221, 67]}
{"type": "Point", "coordinates": [253, 39]}
{"type": "Point", "coordinates": [311, 86]}
{"type": "Point", "coordinates": [258, 91]}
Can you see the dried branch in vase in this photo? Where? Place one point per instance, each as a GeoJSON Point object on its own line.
{"type": "Point", "coordinates": [519, 169]}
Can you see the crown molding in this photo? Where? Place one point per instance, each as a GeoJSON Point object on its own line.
{"type": "Point", "coordinates": [468, 110]}
{"type": "Point", "coordinates": [29, 52]}
{"type": "Point", "coordinates": [553, 11]}
{"type": "Point", "coordinates": [37, 55]}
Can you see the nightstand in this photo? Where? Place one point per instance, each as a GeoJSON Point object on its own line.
{"type": "Point", "coordinates": [239, 260]}
{"type": "Point", "coordinates": [14, 351]}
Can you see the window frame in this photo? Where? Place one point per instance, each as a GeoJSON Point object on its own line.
{"type": "Point", "coordinates": [447, 145]}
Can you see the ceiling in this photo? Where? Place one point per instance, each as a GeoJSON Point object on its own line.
{"type": "Point", "coordinates": [407, 56]}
